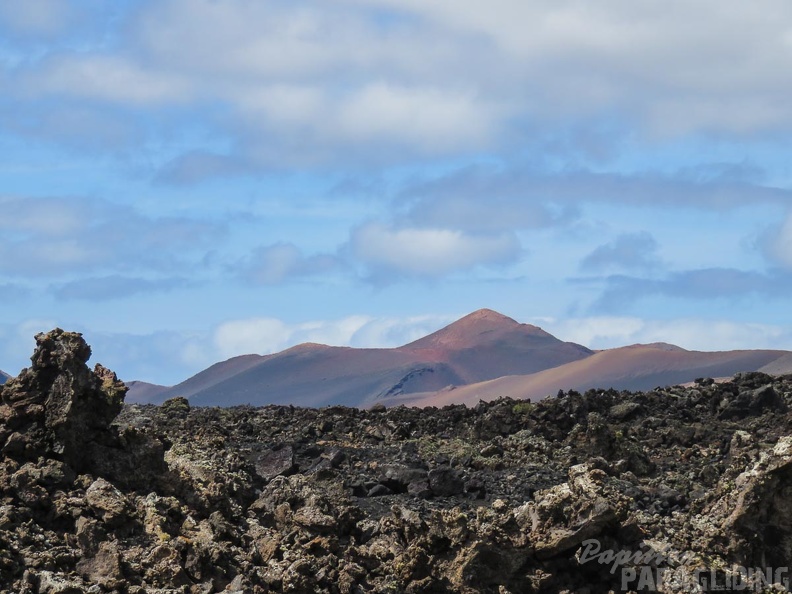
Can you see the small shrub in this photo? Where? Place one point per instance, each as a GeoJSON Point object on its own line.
{"type": "Point", "coordinates": [523, 408]}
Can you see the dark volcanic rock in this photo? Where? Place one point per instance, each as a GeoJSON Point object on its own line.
{"type": "Point", "coordinates": [275, 463]}
{"type": "Point", "coordinates": [58, 406]}
{"type": "Point", "coordinates": [60, 409]}
{"type": "Point", "coordinates": [378, 491]}
{"type": "Point", "coordinates": [445, 482]}
{"type": "Point", "coordinates": [104, 568]}
{"type": "Point", "coordinates": [399, 478]}
{"type": "Point", "coordinates": [506, 497]}
{"type": "Point", "coordinates": [753, 402]}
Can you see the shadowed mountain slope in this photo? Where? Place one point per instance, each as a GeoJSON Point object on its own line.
{"type": "Point", "coordinates": [4, 377]}
{"type": "Point", "coordinates": [312, 375]}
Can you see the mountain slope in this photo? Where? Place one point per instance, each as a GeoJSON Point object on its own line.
{"type": "Point", "coordinates": [144, 392]}
{"type": "Point", "coordinates": [485, 345]}
{"type": "Point", "coordinates": [214, 375]}
{"type": "Point", "coordinates": [637, 367]}
{"type": "Point", "coordinates": [781, 366]}
{"type": "Point", "coordinates": [4, 377]}
{"type": "Point", "coordinates": [312, 375]}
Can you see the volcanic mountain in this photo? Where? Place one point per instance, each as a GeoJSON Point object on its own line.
{"type": "Point", "coordinates": [636, 367]}
{"type": "Point", "coordinates": [487, 344]}
{"type": "Point", "coordinates": [481, 346]}
{"type": "Point", "coordinates": [482, 356]}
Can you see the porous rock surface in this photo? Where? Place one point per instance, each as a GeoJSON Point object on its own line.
{"type": "Point", "coordinates": [505, 497]}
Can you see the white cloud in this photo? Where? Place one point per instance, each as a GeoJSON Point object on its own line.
{"type": "Point", "coordinates": [313, 121]}
{"type": "Point", "coordinates": [243, 41]}
{"type": "Point", "coordinates": [269, 335]}
{"type": "Point", "coordinates": [594, 332]}
{"type": "Point", "coordinates": [58, 236]}
{"type": "Point", "coordinates": [392, 332]}
{"type": "Point", "coordinates": [280, 262]}
{"type": "Point", "coordinates": [107, 78]}
{"type": "Point", "coordinates": [286, 105]}
{"type": "Point", "coordinates": [257, 335]}
{"type": "Point", "coordinates": [430, 119]}
{"type": "Point", "coordinates": [604, 332]}
{"type": "Point", "coordinates": [395, 79]}
{"type": "Point", "coordinates": [430, 253]}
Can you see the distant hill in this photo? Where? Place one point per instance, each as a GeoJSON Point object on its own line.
{"type": "Point", "coordinates": [636, 367]}
{"type": "Point", "coordinates": [213, 375]}
{"type": "Point", "coordinates": [144, 392]}
{"type": "Point", "coordinates": [482, 356]}
{"type": "Point", "coordinates": [4, 377]}
{"type": "Point", "coordinates": [481, 346]}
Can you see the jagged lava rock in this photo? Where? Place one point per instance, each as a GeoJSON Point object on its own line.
{"type": "Point", "coordinates": [58, 406]}
{"type": "Point", "coordinates": [60, 409]}
{"type": "Point", "coordinates": [497, 499]}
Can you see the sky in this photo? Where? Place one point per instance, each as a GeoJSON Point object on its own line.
{"type": "Point", "coordinates": [184, 181]}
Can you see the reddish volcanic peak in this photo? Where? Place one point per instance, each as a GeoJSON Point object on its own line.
{"type": "Point", "coordinates": [475, 328]}
{"type": "Point", "coordinates": [486, 317]}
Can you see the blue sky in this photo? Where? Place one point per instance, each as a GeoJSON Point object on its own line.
{"type": "Point", "coordinates": [184, 181]}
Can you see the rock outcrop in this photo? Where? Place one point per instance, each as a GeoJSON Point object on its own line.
{"type": "Point", "coordinates": [597, 492]}
{"type": "Point", "coordinates": [58, 407]}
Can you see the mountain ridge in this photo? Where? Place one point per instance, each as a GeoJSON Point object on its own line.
{"type": "Point", "coordinates": [482, 355]}
{"type": "Point", "coordinates": [480, 346]}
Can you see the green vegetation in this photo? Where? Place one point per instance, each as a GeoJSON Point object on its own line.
{"type": "Point", "coordinates": [523, 408]}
